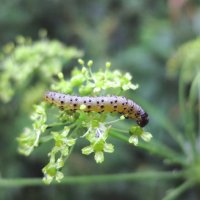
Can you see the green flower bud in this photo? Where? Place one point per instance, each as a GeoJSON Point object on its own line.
{"type": "Point", "coordinates": [85, 90]}
{"type": "Point", "coordinates": [136, 130]}
{"type": "Point", "coordinates": [99, 146]}
{"type": "Point", "coordinates": [81, 62]}
{"type": "Point", "coordinates": [90, 63]}
{"type": "Point", "coordinates": [77, 80]}
{"type": "Point", "coordinates": [60, 75]}
{"type": "Point", "coordinates": [68, 90]}
{"type": "Point", "coordinates": [108, 65]}
{"type": "Point", "coordinates": [84, 70]}
{"type": "Point", "coordinates": [50, 170]}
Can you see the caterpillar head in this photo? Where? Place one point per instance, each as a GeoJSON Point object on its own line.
{"type": "Point", "coordinates": [144, 119]}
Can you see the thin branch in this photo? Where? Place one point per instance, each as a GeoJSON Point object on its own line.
{"type": "Point", "coordinates": [174, 193]}
{"type": "Point", "coordinates": [137, 176]}
{"type": "Point", "coordinates": [57, 124]}
{"type": "Point", "coordinates": [154, 147]}
{"type": "Point", "coordinates": [193, 96]}
{"type": "Point", "coordinates": [164, 122]}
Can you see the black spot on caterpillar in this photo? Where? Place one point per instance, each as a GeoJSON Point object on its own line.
{"type": "Point", "coordinates": [99, 104]}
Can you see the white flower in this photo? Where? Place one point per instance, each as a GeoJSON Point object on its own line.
{"type": "Point", "coordinates": [146, 136]}
{"type": "Point", "coordinates": [133, 140]}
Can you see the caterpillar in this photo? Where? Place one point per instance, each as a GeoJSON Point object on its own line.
{"type": "Point", "coordinates": [99, 104]}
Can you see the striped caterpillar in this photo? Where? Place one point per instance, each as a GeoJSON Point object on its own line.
{"type": "Point", "coordinates": [99, 104]}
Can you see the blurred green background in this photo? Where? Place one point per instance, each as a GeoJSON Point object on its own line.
{"type": "Point", "coordinates": [136, 36]}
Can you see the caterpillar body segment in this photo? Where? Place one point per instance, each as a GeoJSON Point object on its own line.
{"type": "Point", "coordinates": [99, 104]}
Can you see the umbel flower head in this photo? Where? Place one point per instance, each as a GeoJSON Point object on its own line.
{"type": "Point", "coordinates": [67, 126]}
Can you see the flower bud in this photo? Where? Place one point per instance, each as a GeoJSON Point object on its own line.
{"type": "Point", "coordinates": [90, 63]}
{"type": "Point", "coordinates": [81, 62]}
{"type": "Point", "coordinates": [108, 65]}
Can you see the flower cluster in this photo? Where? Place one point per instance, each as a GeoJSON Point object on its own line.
{"type": "Point", "coordinates": [97, 137]}
{"type": "Point", "coordinates": [25, 60]}
{"type": "Point", "coordinates": [68, 126]}
{"type": "Point", "coordinates": [136, 132]}
{"type": "Point", "coordinates": [57, 155]}
{"type": "Point", "coordinates": [29, 139]}
{"type": "Point", "coordinates": [98, 83]}
{"type": "Point", "coordinates": [184, 62]}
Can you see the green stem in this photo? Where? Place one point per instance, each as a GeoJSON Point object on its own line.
{"type": "Point", "coordinates": [154, 147]}
{"type": "Point", "coordinates": [137, 176]}
{"type": "Point", "coordinates": [174, 193]}
{"type": "Point", "coordinates": [50, 137]}
{"type": "Point", "coordinates": [45, 139]}
{"type": "Point", "coordinates": [181, 94]}
{"type": "Point", "coordinates": [170, 156]}
{"type": "Point", "coordinates": [119, 130]}
{"type": "Point", "coordinates": [189, 134]}
{"type": "Point", "coordinates": [164, 122]}
{"type": "Point", "coordinates": [116, 134]}
{"type": "Point", "coordinates": [56, 124]}
{"type": "Point", "coordinates": [195, 88]}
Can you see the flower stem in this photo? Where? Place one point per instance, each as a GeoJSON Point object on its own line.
{"type": "Point", "coordinates": [164, 122]}
{"type": "Point", "coordinates": [174, 193]}
{"type": "Point", "coordinates": [154, 147]}
{"type": "Point", "coordinates": [193, 95]}
{"type": "Point", "coordinates": [151, 175]}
